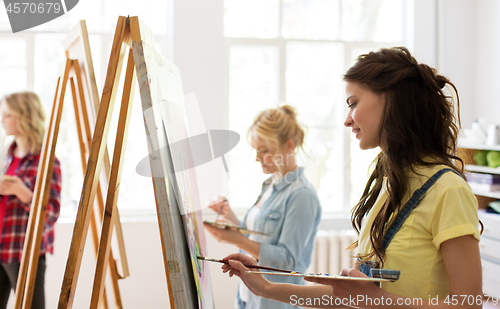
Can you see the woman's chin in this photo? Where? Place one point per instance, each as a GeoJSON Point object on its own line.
{"type": "Point", "coordinates": [266, 170]}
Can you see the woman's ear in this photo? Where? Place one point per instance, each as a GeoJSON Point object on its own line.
{"type": "Point", "coordinates": [290, 146]}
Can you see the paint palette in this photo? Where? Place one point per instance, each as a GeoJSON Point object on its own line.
{"type": "Point", "coordinates": [222, 225]}
{"type": "Point", "coordinates": [325, 276]}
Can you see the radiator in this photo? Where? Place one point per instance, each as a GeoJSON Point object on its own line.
{"type": "Point", "coordinates": [330, 253]}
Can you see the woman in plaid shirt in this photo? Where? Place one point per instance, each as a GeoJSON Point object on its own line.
{"type": "Point", "coordinates": [22, 116]}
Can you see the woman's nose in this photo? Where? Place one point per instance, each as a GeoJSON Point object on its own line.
{"type": "Point", "coordinates": [348, 122]}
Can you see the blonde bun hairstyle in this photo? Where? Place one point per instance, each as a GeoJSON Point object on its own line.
{"type": "Point", "coordinates": [27, 106]}
{"type": "Point", "coordinates": [276, 126]}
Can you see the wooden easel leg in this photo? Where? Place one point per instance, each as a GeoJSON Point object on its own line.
{"type": "Point", "coordinates": [77, 103]}
{"type": "Point", "coordinates": [100, 199]}
{"type": "Point", "coordinates": [121, 246]}
{"type": "Point", "coordinates": [112, 266]}
{"type": "Point", "coordinates": [99, 203]}
{"type": "Point", "coordinates": [28, 241]}
{"type": "Point", "coordinates": [93, 167]}
{"type": "Point", "coordinates": [95, 240]}
{"type": "Point", "coordinates": [114, 181]}
{"type": "Point", "coordinates": [46, 179]}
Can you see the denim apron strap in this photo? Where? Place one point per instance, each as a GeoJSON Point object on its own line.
{"type": "Point", "coordinates": [413, 202]}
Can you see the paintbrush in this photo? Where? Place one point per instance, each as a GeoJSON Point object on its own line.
{"type": "Point", "coordinates": [220, 209]}
{"type": "Point", "coordinates": [248, 266]}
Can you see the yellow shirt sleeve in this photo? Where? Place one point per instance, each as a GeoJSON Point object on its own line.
{"type": "Point", "coordinates": [455, 214]}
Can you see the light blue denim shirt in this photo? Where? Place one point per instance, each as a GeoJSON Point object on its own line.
{"type": "Point", "coordinates": [291, 215]}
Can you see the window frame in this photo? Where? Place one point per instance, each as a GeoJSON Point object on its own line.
{"type": "Point", "coordinates": [106, 40]}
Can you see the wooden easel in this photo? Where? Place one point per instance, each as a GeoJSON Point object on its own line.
{"type": "Point", "coordinates": [77, 47]}
{"type": "Point", "coordinates": [96, 155]}
{"type": "Point", "coordinates": [31, 249]}
{"type": "Point", "coordinates": [176, 255]}
{"type": "Point", "coordinates": [84, 117]}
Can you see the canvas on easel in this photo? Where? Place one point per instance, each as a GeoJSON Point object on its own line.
{"type": "Point", "coordinates": [176, 191]}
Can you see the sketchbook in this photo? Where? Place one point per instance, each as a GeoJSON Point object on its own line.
{"type": "Point", "coordinates": [243, 230]}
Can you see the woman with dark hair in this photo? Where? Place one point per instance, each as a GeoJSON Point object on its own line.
{"type": "Point", "coordinates": [417, 214]}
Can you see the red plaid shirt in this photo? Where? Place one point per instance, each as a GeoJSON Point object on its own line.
{"type": "Point", "coordinates": [17, 214]}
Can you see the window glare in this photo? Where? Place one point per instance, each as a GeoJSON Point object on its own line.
{"type": "Point", "coordinates": [323, 163]}
{"type": "Point", "coordinates": [311, 19]}
{"type": "Point", "coordinates": [313, 72]}
{"type": "Point", "coordinates": [49, 60]}
{"type": "Point", "coordinates": [375, 20]}
{"type": "Point", "coordinates": [34, 60]}
{"type": "Point", "coordinates": [251, 19]}
{"type": "Point", "coordinates": [306, 74]}
{"type": "Point", "coordinates": [12, 79]}
{"type": "Point", "coordinates": [152, 11]}
{"type": "Point", "coordinates": [254, 81]}
{"type": "Point", "coordinates": [90, 10]}
{"type": "Point", "coordinates": [253, 86]}
{"type": "Point", "coordinates": [389, 27]}
{"type": "Point", "coordinates": [4, 19]}
{"type": "Point", "coordinates": [12, 65]}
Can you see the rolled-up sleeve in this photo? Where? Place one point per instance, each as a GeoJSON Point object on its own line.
{"type": "Point", "coordinates": [54, 203]}
{"type": "Point", "coordinates": [302, 216]}
{"type": "Point", "coordinates": [29, 181]}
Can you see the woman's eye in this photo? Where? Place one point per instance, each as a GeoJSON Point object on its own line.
{"type": "Point", "coordinates": [351, 105]}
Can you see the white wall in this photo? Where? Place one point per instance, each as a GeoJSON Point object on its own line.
{"type": "Point", "coordinates": [421, 32]}
{"type": "Point", "coordinates": [487, 65]}
{"type": "Point", "coordinates": [458, 52]}
{"type": "Point", "coordinates": [468, 55]}
{"type": "Point", "coordinates": [198, 44]}
{"type": "Point", "coordinates": [445, 36]}
{"type": "Point", "coordinates": [147, 286]}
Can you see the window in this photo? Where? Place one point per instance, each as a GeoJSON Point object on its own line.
{"type": "Point", "coordinates": [295, 51]}
{"type": "Point", "coordinates": [31, 60]}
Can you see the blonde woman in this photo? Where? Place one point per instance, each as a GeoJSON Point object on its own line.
{"type": "Point", "coordinates": [22, 116]}
{"type": "Point", "coordinates": [287, 207]}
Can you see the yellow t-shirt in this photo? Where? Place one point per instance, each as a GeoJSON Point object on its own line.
{"type": "Point", "coordinates": [448, 210]}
